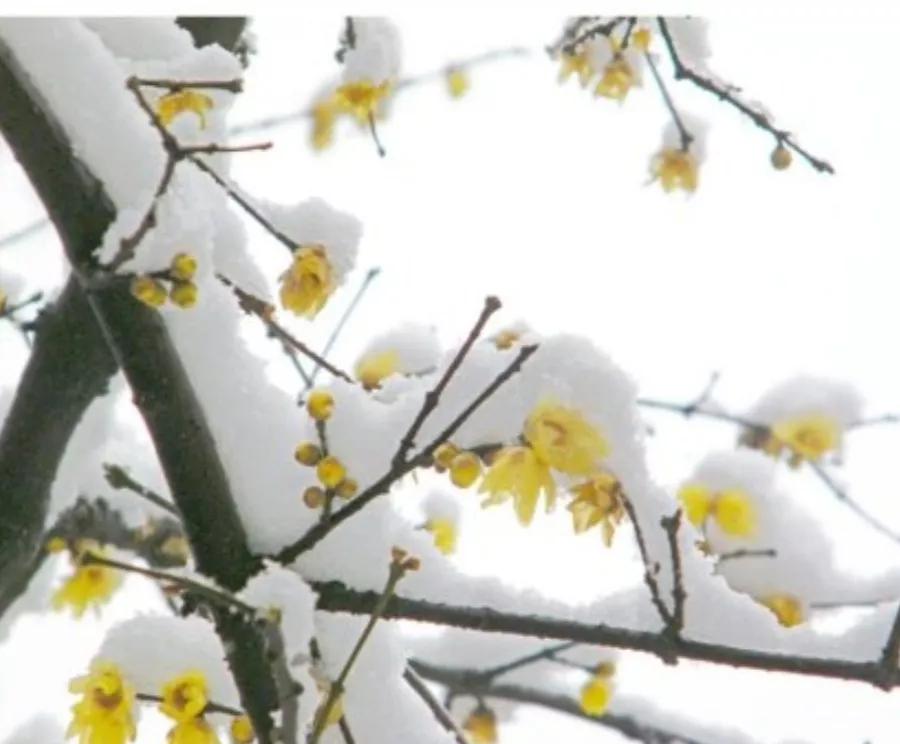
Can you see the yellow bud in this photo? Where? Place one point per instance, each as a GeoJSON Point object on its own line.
{"type": "Point", "coordinates": [320, 405]}
{"type": "Point", "coordinates": [781, 158]}
{"type": "Point", "coordinates": [148, 290]}
{"type": "Point", "coordinates": [55, 545]}
{"type": "Point", "coordinates": [347, 488]}
{"type": "Point", "coordinates": [307, 453]}
{"type": "Point", "coordinates": [314, 497]}
{"type": "Point", "coordinates": [444, 455]}
{"type": "Point", "coordinates": [184, 294]}
{"type": "Point", "coordinates": [183, 267]}
{"type": "Point", "coordinates": [465, 469]}
{"type": "Point", "coordinates": [242, 730]}
{"type": "Point", "coordinates": [330, 471]}
{"type": "Point", "coordinates": [176, 546]}
{"type": "Point", "coordinates": [457, 82]}
{"type": "Point", "coordinates": [481, 726]}
{"type": "Point", "coordinates": [641, 39]}
{"type": "Point", "coordinates": [595, 696]}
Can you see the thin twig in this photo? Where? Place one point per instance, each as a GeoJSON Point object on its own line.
{"type": "Point", "coordinates": [604, 28]}
{"type": "Point", "coordinates": [434, 705]}
{"type": "Point", "coordinates": [346, 733]}
{"type": "Point", "coordinates": [175, 86]}
{"type": "Point", "coordinates": [211, 707]}
{"type": "Point", "coordinates": [671, 525]}
{"type": "Point", "coordinates": [684, 135]}
{"type": "Point", "coordinates": [119, 479]}
{"type": "Point", "coordinates": [319, 531]}
{"type": "Point", "coordinates": [748, 553]}
{"type": "Point", "coordinates": [24, 232]}
{"type": "Point", "coordinates": [545, 653]}
{"type": "Point", "coordinates": [433, 396]}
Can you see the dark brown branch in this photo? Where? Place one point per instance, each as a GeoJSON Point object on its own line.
{"type": "Point", "coordinates": [175, 86]}
{"type": "Point", "coordinates": [604, 28]}
{"type": "Point", "coordinates": [434, 705]}
{"type": "Point", "coordinates": [683, 72]}
{"type": "Point", "coordinates": [320, 530]}
{"type": "Point", "coordinates": [543, 654]}
{"type": "Point", "coordinates": [433, 396]}
{"type": "Point", "coordinates": [671, 525]}
{"type": "Point", "coordinates": [211, 707]}
{"type": "Point", "coordinates": [748, 553]}
{"type": "Point", "coordinates": [335, 597]}
{"type": "Point", "coordinates": [118, 479]}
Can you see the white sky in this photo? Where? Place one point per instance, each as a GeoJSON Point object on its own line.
{"type": "Point", "coordinates": [537, 193]}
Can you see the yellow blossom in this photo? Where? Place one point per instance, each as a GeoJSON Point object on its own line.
{"type": "Point", "coordinates": [618, 78]}
{"type": "Point", "coordinates": [787, 608]}
{"type": "Point", "coordinates": [506, 339]}
{"type": "Point", "coordinates": [361, 98]}
{"type": "Point", "coordinates": [675, 169]}
{"type": "Point", "coordinates": [697, 501]}
{"type": "Point", "coordinates": [184, 698]}
{"type": "Point", "coordinates": [595, 695]}
{"type": "Point", "coordinates": [641, 39]}
{"type": "Point", "coordinates": [481, 726]}
{"type": "Point", "coordinates": [89, 585]}
{"type": "Point", "coordinates": [807, 437]}
{"type": "Point", "coordinates": [324, 116]}
{"type": "Point", "coordinates": [148, 290]}
{"type": "Point", "coordinates": [598, 500]}
{"type": "Point", "coordinates": [457, 82]}
{"type": "Point", "coordinates": [308, 453]}
{"type": "Point", "coordinates": [173, 104]}
{"type": "Point", "coordinates": [735, 513]}
{"type": "Point", "coordinates": [308, 283]}
{"type": "Point", "coordinates": [193, 731]}
{"type": "Point", "coordinates": [518, 473]}
{"type": "Point", "coordinates": [443, 531]}
{"type": "Point", "coordinates": [465, 469]}
{"type": "Point", "coordinates": [578, 63]}
{"type": "Point", "coordinates": [242, 730]}
{"type": "Point", "coordinates": [375, 368]}
{"type": "Point", "coordinates": [444, 454]}
{"type": "Point", "coordinates": [781, 158]}
{"type": "Point", "coordinates": [183, 294]}
{"type": "Point", "coordinates": [183, 266]}
{"type": "Point", "coordinates": [563, 439]}
{"type": "Point", "coordinates": [104, 715]}
{"type": "Point", "coordinates": [320, 405]}
{"type": "Point", "coordinates": [347, 488]}
{"type": "Point", "coordinates": [330, 471]}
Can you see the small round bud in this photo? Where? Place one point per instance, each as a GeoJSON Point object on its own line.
{"type": "Point", "coordinates": [149, 291]}
{"type": "Point", "coordinates": [465, 469]}
{"type": "Point", "coordinates": [307, 453]}
{"type": "Point", "coordinates": [347, 488]}
{"type": "Point", "coordinates": [781, 158]}
{"type": "Point", "coordinates": [444, 455]}
{"type": "Point", "coordinates": [314, 497]}
{"type": "Point", "coordinates": [55, 545]}
{"type": "Point", "coordinates": [242, 730]}
{"type": "Point", "coordinates": [184, 294]}
{"type": "Point", "coordinates": [320, 405]}
{"type": "Point", "coordinates": [183, 267]}
{"type": "Point", "coordinates": [330, 471]}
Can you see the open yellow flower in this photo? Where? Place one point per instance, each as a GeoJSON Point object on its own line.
{"type": "Point", "coordinates": [807, 437]}
{"type": "Point", "coordinates": [184, 698]}
{"type": "Point", "coordinates": [89, 585]}
{"type": "Point", "coordinates": [518, 473]}
{"type": "Point", "coordinates": [675, 169]}
{"type": "Point", "coordinates": [324, 116]}
{"type": "Point", "coordinates": [242, 730]}
{"type": "Point", "coordinates": [597, 501]}
{"type": "Point", "coordinates": [443, 531]}
{"type": "Point", "coordinates": [579, 64]}
{"type": "Point", "coordinates": [787, 608]}
{"type": "Point", "coordinates": [178, 102]}
{"type": "Point", "coordinates": [362, 97]}
{"type": "Point", "coordinates": [732, 509]}
{"type": "Point", "coordinates": [194, 731]}
{"type": "Point", "coordinates": [308, 283]}
{"type": "Point", "coordinates": [618, 78]}
{"type": "Point", "coordinates": [596, 694]}
{"type": "Point", "coordinates": [375, 368]}
{"type": "Point", "coordinates": [104, 715]}
{"type": "Point", "coordinates": [563, 439]}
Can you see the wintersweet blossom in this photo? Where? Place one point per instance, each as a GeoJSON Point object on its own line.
{"type": "Point", "coordinates": [675, 168]}
{"type": "Point", "coordinates": [465, 469]}
{"type": "Point", "coordinates": [148, 290]}
{"type": "Point", "coordinates": [598, 501]}
{"type": "Point", "coordinates": [89, 585]}
{"type": "Point", "coordinates": [320, 405]}
{"type": "Point", "coordinates": [325, 114]}
{"type": "Point", "coordinates": [617, 79]}
{"type": "Point", "coordinates": [596, 693]}
{"type": "Point", "coordinates": [373, 369]}
{"type": "Point", "coordinates": [518, 473]}
{"type": "Point", "coordinates": [172, 104]}
{"type": "Point", "coordinates": [806, 437]}
{"type": "Point", "coordinates": [457, 82]}
{"type": "Point", "coordinates": [183, 266]}
{"type": "Point", "coordinates": [362, 97]}
{"type": "Point", "coordinates": [184, 698]}
{"type": "Point", "coordinates": [444, 533]}
{"type": "Point", "coordinates": [481, 726]}
{"type": "Point", "coordinates": [732, 509]}
{"type": "Point", "coordinates": [563, 439]}
{"type": "Point", "coordinates": [788, 609]}
{"type": "Point", "coordinates": [105, 713]}
{"type": "Point", "coordinates": [308, 283]}
{"type": "Point", "coordinates": [577, 63]}
{"type": "Point", "coordinates": [184, 294]}
{"type": "Point", "coordinates": [241, 730]}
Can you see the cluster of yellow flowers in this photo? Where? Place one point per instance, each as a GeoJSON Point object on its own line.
{"type": "Point", "coordinates": [331, 472]}
{"type": "Point", "coordinates": [308, 282]}
{"type": "Point", "coordinates": [732, 509]}
{"type": "Point", "coordinates": [617, 76]}
{"type": "Point", "coordinates": [105, 713]}
{"type": "Point", "coordinates": [675, 168]}
{"type": "Point", "coordinates": [596, 693]}
{"type": "Point", "coordinates": [173, 104]}
{"type": "Point", "coordinates": [89, 585]}
{"type": "Point", "coordinates": [150, 288]}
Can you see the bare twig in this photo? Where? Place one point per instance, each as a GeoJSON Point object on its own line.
{"type": "Point", "coordinates": [434, 705]}
{"type": "Point", "coordinates": [748, 553]}
{"type": "Point", "coordinates": [671, 525]}
{"type": "Point", "coordinates": [211, 707]}
{"type": "Point", "coordinates": [175, 86]}
{"type": "Point", "coordinates": [118, 479]}
{"type": "Point", "coordinates": [546, 653]}
{"type": "Point", "coordinates": [684, 135]}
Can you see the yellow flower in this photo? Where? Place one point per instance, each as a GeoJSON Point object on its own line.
{"type": "Point", "coordinates": [320, 405]}
{"type": "Point", "coordinates": [732, 509]}
{"type": "Point", "coordinates": [308, 283]}
{"type": "Point", "coordinates": [330, 471]}
{"type": "Point", "coordinates": [324, 116]}
{"type": "Point", "coordinates": [517, 472]}
{"type": "Point", "coordinates": [641, 39]}
{"type": "Point", "coordinates": [596, 694]}
{"type": "Point", "coordinates": [173, 104]}
{"type": "Point", "coordinates": [506, 339]}
{"type": "Point", "coordinates": [194, 731]}
{"type": "Point", "coordinates": [443, 456]}
{"type": "Point", "coordinates": [308, 453]}
{"type": "Point", "coordinates": [443, 531]}
{"type": "Point", "coordinates": [598, 500]}
{"type": "Point", "coordinates": [242, 730]}
{"type": "Point", "coordinates": [375, 368]}
{"type": "Point", "coordinates": [148, 290]}
{"type": "Point", "coordinates": [675, 169]}
{"type": "Point", "coordinates": [563, 439]}
{"type": "Point", "coordinates": [361, 98]}
{"type": "Point", "coordinates": [104, 714]}
{"type": "Point", "coordinates": [183, 294]}
{"type": "Point", "coordinates": [183, 266]}
{"type": "Point", "coordinates": [788, 609]}
{"type": "Point", "coordinates": [807, 437]}
{"type": "Point", "coordinates": [457, 82]}
{"type": "Point", "coordinates": [89, 585]}
{"type": "Point", "coordinates": [618, 78]}
{"type": "Point", "coordinates": [184, 698]}
{"type": "Point", "coordinates": [465, 469]}
{"type": "Point", "coordinates": [481, 726]}
{"type": "Point", "coordinates": [578, 63]}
